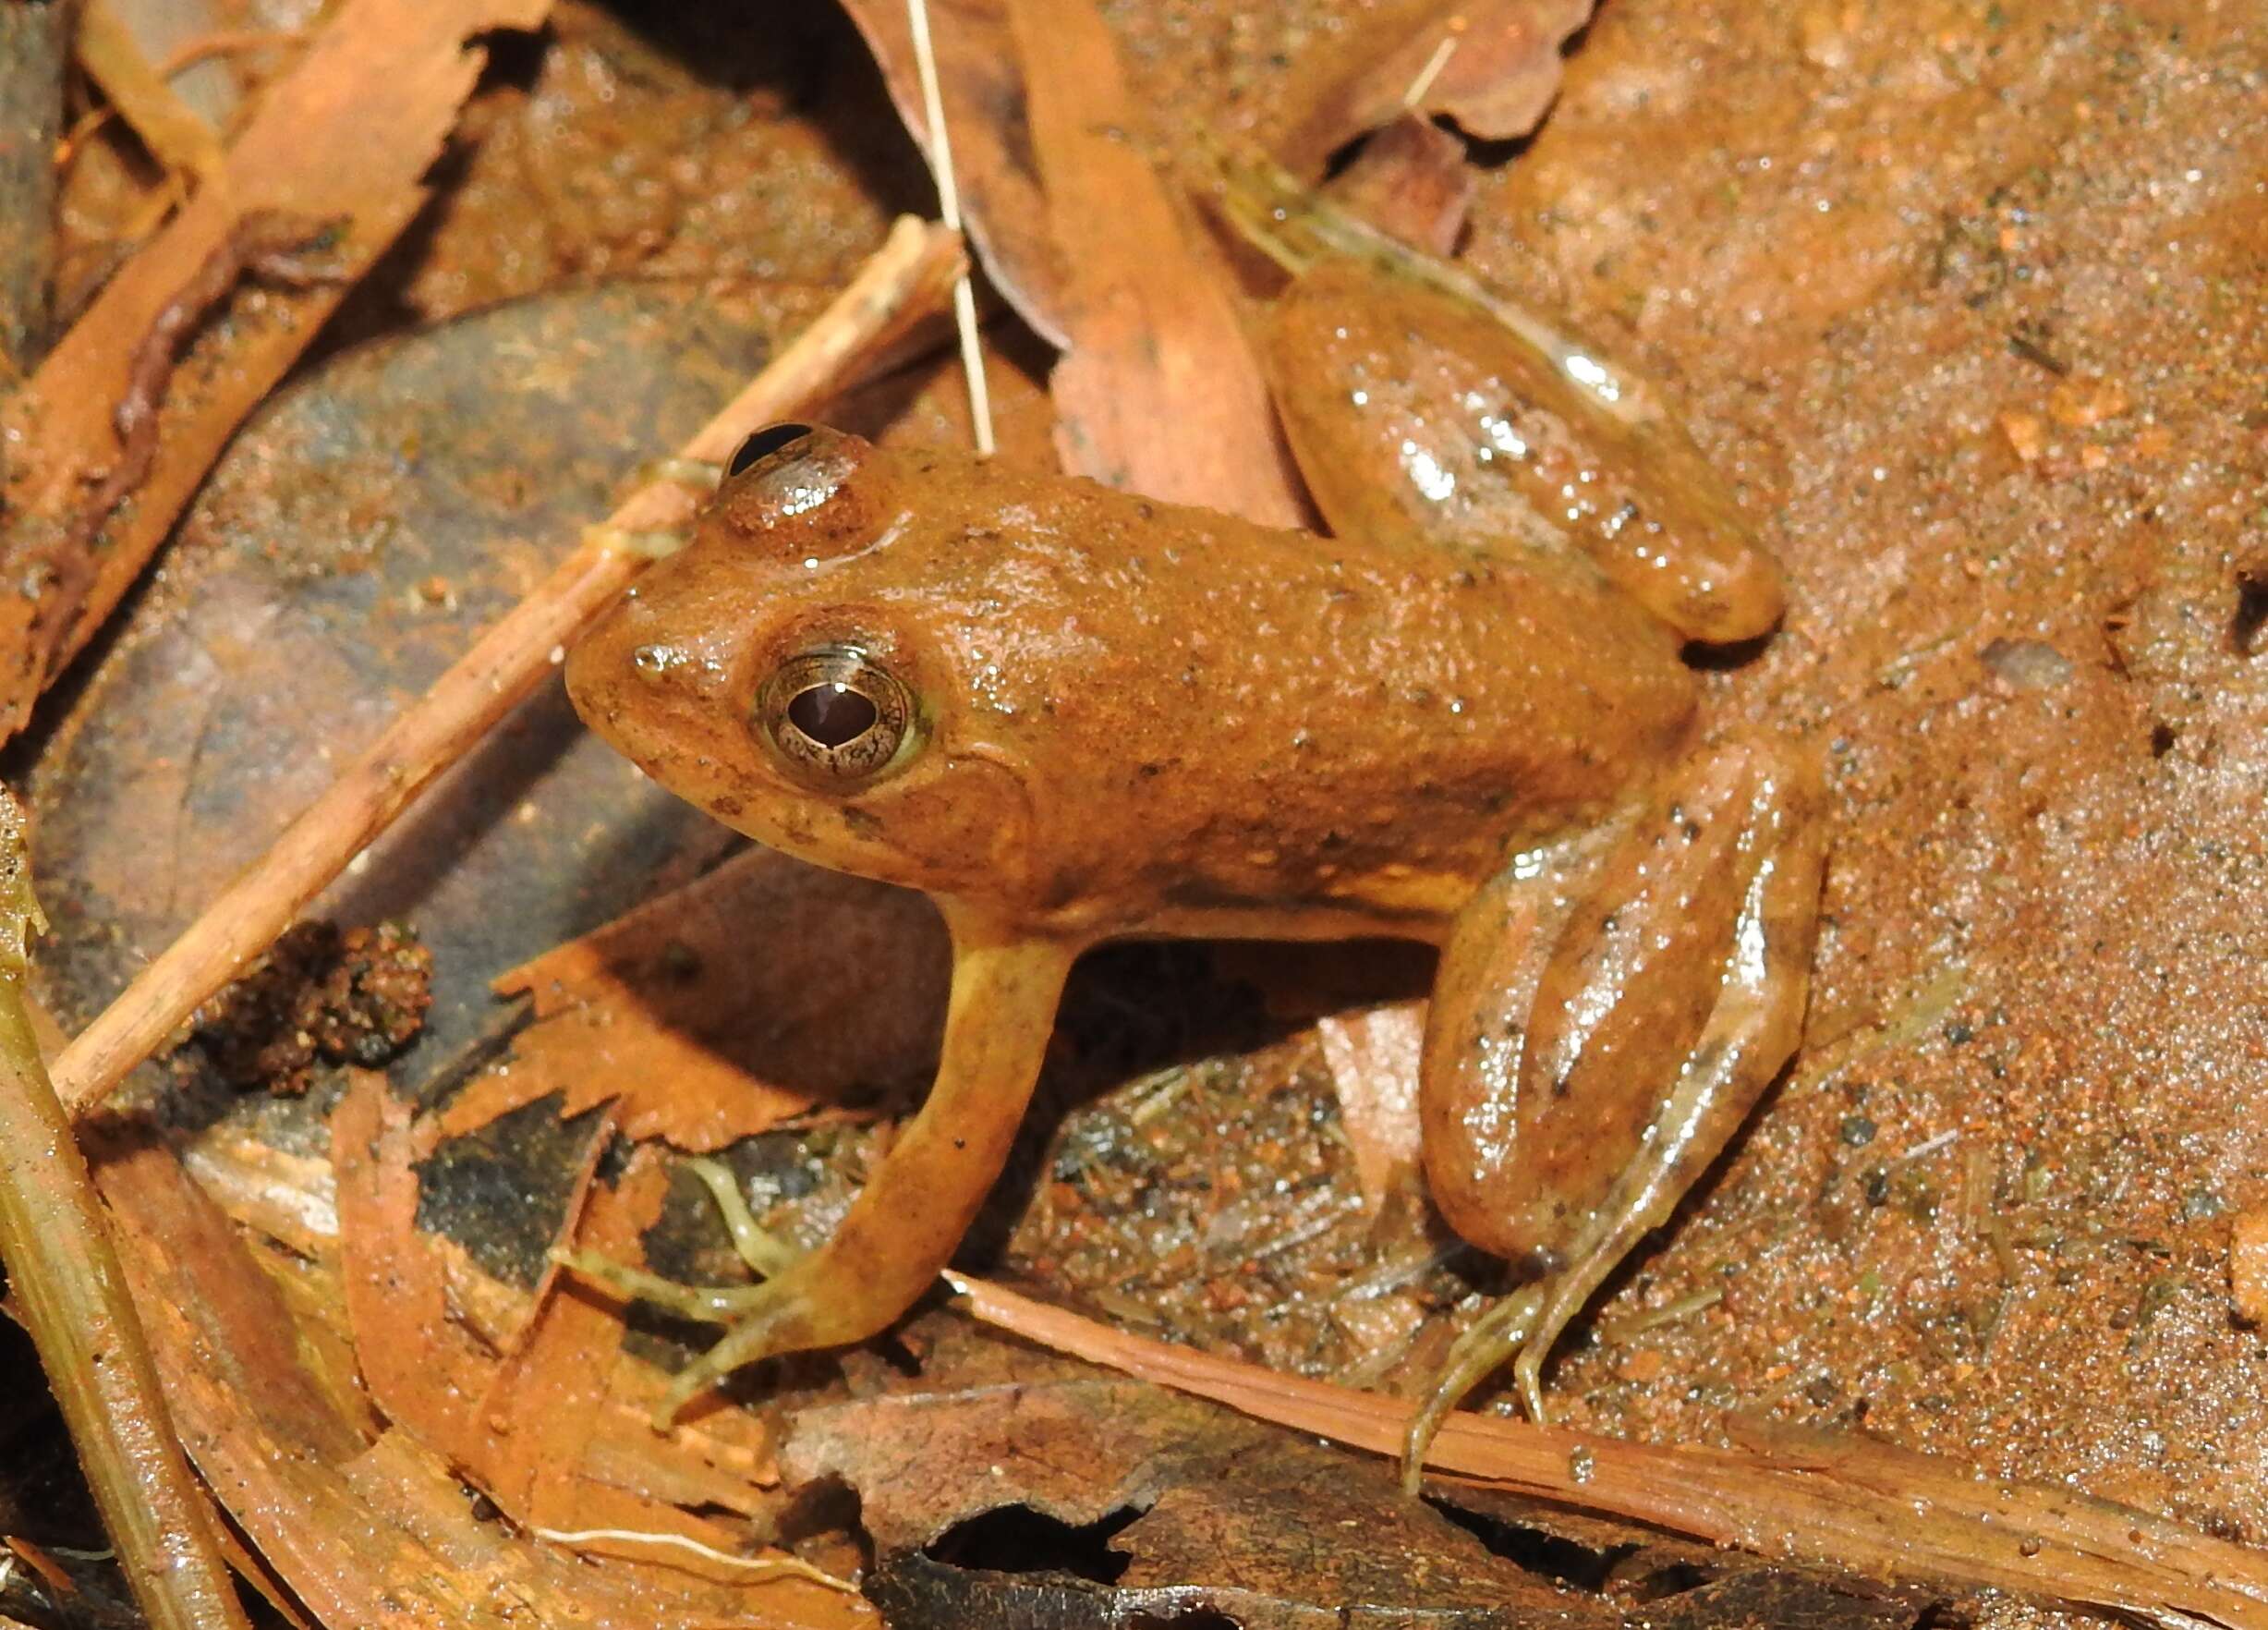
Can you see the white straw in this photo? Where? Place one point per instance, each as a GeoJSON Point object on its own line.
{"type": "Point", "coordinates": [1426, 76]}
{"type": "Point", "coordinates": [779, 1567]}
{"type": "Point", "coordinates": [949, 207]}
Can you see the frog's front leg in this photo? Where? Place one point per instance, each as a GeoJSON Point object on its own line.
{"type": "Point", "coordinates": [920, 1198]}
{"type": "Point", "coordinates": [1570, 1100]}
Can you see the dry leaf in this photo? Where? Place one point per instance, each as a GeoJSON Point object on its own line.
{"type": "Point", "coordinates": [767, 989]}
{"type": "Point", "coordinates": [542, 1426]}
{"type": "Point", "coordinates": [1160, 393]}
{"type": "Point", "coordinates": [368, 1527]}
{"type": "Point", "coordinates": [1410, 181]}
{"type": "Point", "coordinates": [1493, 66]}
{"type": "Point", "coordinates": [980, 82]}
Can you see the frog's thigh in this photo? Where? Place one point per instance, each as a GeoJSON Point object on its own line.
{"type": "Point", "coordinates": [1567, 1107]}
{"type": "Point", "coordinates": [921, 1197]}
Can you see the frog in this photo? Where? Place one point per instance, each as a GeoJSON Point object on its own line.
{"type": "Point", "coordinates": [1460, 714]}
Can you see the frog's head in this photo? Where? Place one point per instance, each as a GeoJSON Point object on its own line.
{"type": "Point", "coordinates": [793, 669]}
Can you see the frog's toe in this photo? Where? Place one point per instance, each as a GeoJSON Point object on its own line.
{"type": "Point", "coordinates": [778, 1316]}
{"type": "Point", "coordinates": [753, 1336]}
{"type": "Point", "coordinates": [1528, 1375]}
{"type": "Point", "coordinates": [1505, 1329]}
{"type": "Point", "coordinates": [765, 1253]}
{"type": "Point", "coordinates": [704, 1303]}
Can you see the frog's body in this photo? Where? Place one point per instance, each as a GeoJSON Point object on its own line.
{"type": "Point", "coordinates": [1072, 714]}
{"type": "Point", "coordinates": [1174, 722]}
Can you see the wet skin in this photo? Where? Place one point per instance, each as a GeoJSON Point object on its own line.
{"type": "Point", "coordinates": [1071, 714]}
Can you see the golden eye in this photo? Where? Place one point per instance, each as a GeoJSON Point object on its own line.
{"type": "Point", "coordinates": [837, 718]}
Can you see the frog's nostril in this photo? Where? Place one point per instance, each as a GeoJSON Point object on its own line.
{"type": "Point", "coordinates": [655, 661]}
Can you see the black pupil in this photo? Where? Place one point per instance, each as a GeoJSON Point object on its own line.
{"type": "Point", "coordinates": [832, 714]}
{"type": "Point", "coordinates": [764, 443]}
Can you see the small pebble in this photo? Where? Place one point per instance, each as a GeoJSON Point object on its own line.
{"type": "Point", "coordinates": [2027, 436]}
{"type": "Point", "coordinates": [2247, 1265]}
{"type": "Point", "coordinates": [2027, 664]}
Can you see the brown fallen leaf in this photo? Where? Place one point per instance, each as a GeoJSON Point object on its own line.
{"type": "Point", "coordinates": [1493, 66]}
{"type": "Point", "coordinates": [402, 66]}
{"type": "Point", "coordinates": [702, 1031]}
{"type": "Point", "coordinates": [980, 82]}
{"type": "Point", "coordinates": [1410, 181]}
{"type": "Point", "coordinates": [1159, 391]}
{"type": "Point", "coordinates": [1373, 1057]}
{"type": "Point", "coordinates": [525, 1425]}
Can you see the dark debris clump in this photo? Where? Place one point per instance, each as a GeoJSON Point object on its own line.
{"type": "Point", "coordinates": [320, 995]}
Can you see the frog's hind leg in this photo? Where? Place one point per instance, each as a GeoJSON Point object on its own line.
{"type": "Point", "coordinates": [1530, 437]}
{"type": "Point", "coordinates": [1567, 1111]}
{"type": "Point", "coordinates": [915, 1205]}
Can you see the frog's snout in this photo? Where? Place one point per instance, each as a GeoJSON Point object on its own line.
{"type": "Point", "coordinates": [631, 681]}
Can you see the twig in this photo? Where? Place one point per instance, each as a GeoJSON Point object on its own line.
{"type": "Point", "coordinates": [67, 1287]}
{"type": "Point", "coordinates": [1849, 1501]}
{"type": "Point", "coordinates": [902, 281]}
{"type": "Point", "coordinates": [177, 137]}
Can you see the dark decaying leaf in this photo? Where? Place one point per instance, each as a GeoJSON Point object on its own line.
{"type": "Point", "coordinates": [1100, 1501]}
{"type": "Point", "coordinates": [1103, 1502]}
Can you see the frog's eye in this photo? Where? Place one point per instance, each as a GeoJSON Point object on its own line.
{"type": "Point", "coordinates": [763, 443]}
{"type": "Point", "coordinates": [837, 718]}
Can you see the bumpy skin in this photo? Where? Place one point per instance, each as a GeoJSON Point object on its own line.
{"type": "Point", "coordinates": [1131, 719]}
{"type": "Point", "coordinates": [1141, 719]}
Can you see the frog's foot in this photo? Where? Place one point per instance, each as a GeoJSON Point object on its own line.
{"type": "Point", "coordinates": [916, 1204]}
{"type": "Point", "coordinates": [1473, 1359]}
{"type": "Point", "coordinates": [697, 478]}
{"type": "Point", "coordinates": [765, 1254]}
{"type": "Point", "coordinates": [1569, 1107]}
{"type": "Point", "coordinates": [802, 1308]}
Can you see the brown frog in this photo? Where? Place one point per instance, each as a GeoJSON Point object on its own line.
{"type": "Point", "coordinates": [1071, 714]}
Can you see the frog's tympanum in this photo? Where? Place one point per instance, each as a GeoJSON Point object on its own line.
{"type": "Point", "coordinates": [1072, 714]}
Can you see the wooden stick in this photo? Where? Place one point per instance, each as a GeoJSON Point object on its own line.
{"type": "Point", "coordinates": [908, 277]}
{"type": "Point", "coordinates": [66, 1284]}
{"type": "Point", "coordinates": [1838, 1499]}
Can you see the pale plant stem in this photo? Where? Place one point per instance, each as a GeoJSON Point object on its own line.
{"type": "Point", "coordinates": [949, 208]}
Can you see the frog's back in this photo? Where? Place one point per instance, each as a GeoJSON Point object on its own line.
{"type": "Point", "coordinates": [1248, 730]}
